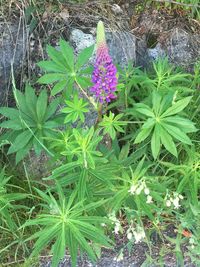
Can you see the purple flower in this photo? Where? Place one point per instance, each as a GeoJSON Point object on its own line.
{"type": "Point", "coordinates": [104, 74]}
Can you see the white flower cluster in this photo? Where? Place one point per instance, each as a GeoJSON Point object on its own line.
{"type": "Point", "coordinates": [136, 189]}
{"type": "Point", "coordinates": [120, 257]}
{"type": "Point", "coordinates": [173, 200]}
{"type": "Point", "coordinates": [192, 243]}
{"type": "Point", "coordinates": [116, 223]}
{"type": "Point", "coordinates": [137, 233]}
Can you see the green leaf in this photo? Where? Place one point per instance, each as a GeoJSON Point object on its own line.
{"type": "Point", "coordinates": [21, 103]}
{"type": "Point", "coordinates": [22, 153]}
{"type": "Point", "coordinates": [168, 142]}
{"type": "Point", "coordinates": [183, 124]}
{"type": "Point", "coordinates": [57, 57]}
{"type": "Point", "coordinates": [58, 248]}
{"type": "Point", "coordinates": [11, 113]}
{"type": "Point", "coordinates": [144, 109]}
{"type": "Point", "coordinates": [84, 56]}
{"type": "Point", "coordinates": [31, 100]}
{"type": "Point", "coordinates": [156, 101]}
{"type": "Point", "coordinates": [51, 66]}
{"type": "Point", "coordinates": [178, 134]}
{"type": "Point", "coordinates": [68, 54]}
{"type": "Point", "coordinates": [51, 109]}
{"type": "Point", "coordinates": [41, 105]}
{"type": "Point", "coordinates": [61, 85]}
{"type": "Point", "coordinates": [81, 240]}
{"type": "Point", "coordinates": [177, 107]}
{"type": "Point", "coordinates": [11, 124]}
{"type": "Point", "coordinates": [143, 134]}
{"type": "Point", "coordinates": [20, 142]}
{"type": "Point", "coordinates": [51, 78]}
{"type": "Point", "coordinates": [124, 151]}
{"type": "Point", "coordinates": [155, 142]}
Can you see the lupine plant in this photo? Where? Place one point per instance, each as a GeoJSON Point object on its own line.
{"type": "Point", "coordinates": [132, 173]}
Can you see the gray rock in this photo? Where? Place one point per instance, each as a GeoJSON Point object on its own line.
{"type": "Point", "coordinates": [13, 38]}
{"type": "Point", "coordinates": [81, 40]}
{"type": "Point", "coordinates": [156, 52]}
{"type": "Point", "coordinates": [122, 45]}
{"type": "Point", "coordinates": [182, 48]}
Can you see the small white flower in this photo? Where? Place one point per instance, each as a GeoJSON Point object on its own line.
{"type": "Point", "coordinates": [120, 257]}
{"type": "Point", "coordinates": [117, 228]}
{"type": "Point", "coordinates": [103, 224]}
{"type": "Point", "coordinates": [129, 235]}
{"type": "Point", "coordinates": [133, 189]}
{"type": "Point", "coordinates": [168, 203]}
{"type": "Point", "coordinates": [146, 191]}
{"type": "Point", "coordinates": [139, 190]}
{"type": "Point", "coordinates": [139, 235]}
{"type": "Point", "coordinates": [180, 196]}
{"type": "Point", "coordinates": [149, 199]}
{"type": "Point", "coordinates": [191, 240]}
{"type": "Point", "coordinates": [176, 202]}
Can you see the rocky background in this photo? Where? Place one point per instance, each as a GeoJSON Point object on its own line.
{"type": "Point", "coordinates": [133, 36]}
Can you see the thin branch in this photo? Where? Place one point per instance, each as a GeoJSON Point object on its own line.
{"type": "Point", "coordinates": [177, 3]}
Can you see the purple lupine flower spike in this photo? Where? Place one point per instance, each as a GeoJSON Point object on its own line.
{"type": "Point", "coordinates": [104, 74]}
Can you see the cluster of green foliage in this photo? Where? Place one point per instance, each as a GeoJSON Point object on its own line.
{"type": "Point", "coordinates": [191, 7]}
{"type": "Point", "coordinates": [153, 151]}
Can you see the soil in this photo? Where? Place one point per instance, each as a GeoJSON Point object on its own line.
{"type": "Point", "coordinates": [134, 255]}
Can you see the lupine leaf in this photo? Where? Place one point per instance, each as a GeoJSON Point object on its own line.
{"type": "Point", "coordinates": [84, 56]}
{"type": "Point", "coordinates": [20, 142]}
{"type": "Point", "coordinates": [177, 133]}
{"type": "Point", "coordinates": [41, 105]}
{"type": "Point", "coordinates": [177, 107]}
{"type": "Point", "coordinates": [167, 141]}
{"type": "Point", "coordinates": [155, 142]}
{"type": "Point", "coordinates": [68, 53]}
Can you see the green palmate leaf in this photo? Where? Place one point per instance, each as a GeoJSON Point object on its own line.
{"type": "Point", "coordinates": [167, 141]}
{"type": "Point", "coordinates": [56, 56]}
{"type": "Point", "coordinates": [177, 133]}
{"type": "Point", "coordinates": [51, 66]}
{"type": "Point", "coordinates": [51, 109]}
{"type": "Point", "coordinates": [51, 77]}
{"type": "Point", "coordinates": [11, 113]}
{"type": "Point", "coordinates": [63, 222]}
{"type": "Point", "coordinates": [31, 121]}
{"type": "Point", "coordinates": [184, 124]}
{"type": "Point", "coordinates": [12, 124]}
{"type": "Point", "coordinates": [41, 105]}
{"type": "Point", "coordinates": [68, 54]}
{"type": "Point", "coordinates": [83, 243]}
{"type": "Point", "coordinates": [75, 109]}
{"type": "Point", "coordinates": [31, 100]}
{"type": "Point", "coordinates": [155, 141]}
{"type": "Point", "coordinates": [177, 107]}
{"type": "Point", "coordinates": [21, 141]}
{"type": "Point", "coordinates": [21, 102]}
{"type": "Point", "coordinates": [58, 248]}
{"type": "Point", "coordinates": [84, 56]}
{"type": "Point", "coordinates": [60, 86]}
{"type": "Point", "coordinates": [143, 134]}
{"type": "Point", "coordinates": [156, 101]}
{"type": "Point", "coordinates": [144, 109]}
{"type": "Point", "coordinates": [124, 151]}
{"type": "Point", "coordinates": [22, 152]}
{"type": "Point", "coordinates": [112, 123]}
